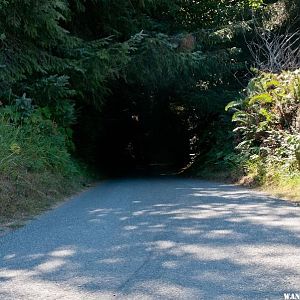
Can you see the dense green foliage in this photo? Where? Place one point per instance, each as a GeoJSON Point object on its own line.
{"type": "Point", "coordinates": [35, 167]}
{"type": "Point", "coordinates": [132, 82]}
{"type": "Point", "coordinates": [267, 115]}
{"type": "Point", "coordinates": [268, 125]}
{"type": "Point", "coordinates": [30, 141]}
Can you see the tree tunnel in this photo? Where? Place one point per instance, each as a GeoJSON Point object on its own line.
{"type": "Point", "coordinates": [129, 136]}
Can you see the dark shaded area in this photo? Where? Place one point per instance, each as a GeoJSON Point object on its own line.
{"type": "Point", "coordinates": [149, 79]}
{"type": "Point", "coordinates": [128, 139]}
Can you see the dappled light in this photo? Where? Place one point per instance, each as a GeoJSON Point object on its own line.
{"type": "Point", "coordinates": [199, 240]}
{"type": "Point", "coordinates": [135, 101]}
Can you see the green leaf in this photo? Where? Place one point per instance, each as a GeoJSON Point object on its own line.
{"type": "Point", "coordinates": [231, 105]}
{"type": "Point", "coordinates": [266, 114]}
{"type": "Point", "coordinates": [262, 98]}
{"type": "Point", "coordinates": [272, 84]}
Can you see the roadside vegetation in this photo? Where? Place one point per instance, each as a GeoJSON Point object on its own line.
{"type": "Point", "coordinates": [36, 166]}
{"type": "Point", "coordinates": [267, 132]}
{"type": "Point", "coordinates": [120, 85]}
{"type": "Point", "coordinates": [266, 116]}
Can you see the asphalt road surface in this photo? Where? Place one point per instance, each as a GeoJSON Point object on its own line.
{"type": "Point", "coordinates": [168, 238]}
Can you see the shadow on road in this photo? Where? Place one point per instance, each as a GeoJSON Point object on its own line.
{"type": "Point", "coordinates": [156, 239]}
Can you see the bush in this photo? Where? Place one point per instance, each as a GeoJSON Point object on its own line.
{"type": "Point", "coordinates": [31, 141]}
{"type": "Point", "coordinates": [268, 126]}
{"type": "Point", "coordinates": [35, 165]}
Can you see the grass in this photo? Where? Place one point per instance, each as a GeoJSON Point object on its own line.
{"type": "Point", "coordinates": [283, 186]}
{"type": "Point", "coordinates": [275, 180]}
{"type": "Point", "coordinates": [36, 169]}
{"type": "Point", "coordinates": [286, 188]}
{"type": "Point", "coordinates": [22, 197]}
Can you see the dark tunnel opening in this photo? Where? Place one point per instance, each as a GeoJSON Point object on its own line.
{"type": "Point", "coordinates": [126, 140]}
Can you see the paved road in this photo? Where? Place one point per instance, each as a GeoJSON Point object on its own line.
{"type": "Point", "coordinates": [156, 239]}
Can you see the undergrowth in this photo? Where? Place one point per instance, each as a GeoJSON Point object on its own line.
{"type": "Point", "coordinates": [267, 134]}
{"type": "Point", "coordinates": [36, 168]}
{"type": "Point", "coordinates": [266, 138]}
